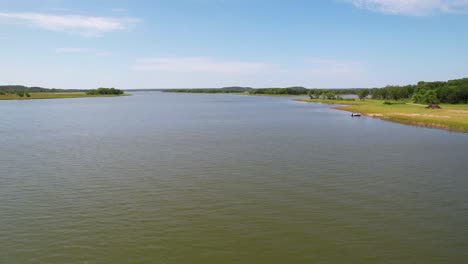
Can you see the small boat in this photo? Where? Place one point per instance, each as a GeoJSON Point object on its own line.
{"type": "Point", "coordinates": [355, 114]}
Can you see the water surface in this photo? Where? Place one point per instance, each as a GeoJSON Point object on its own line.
{"type": "Point", "coordinates": [193, 178]}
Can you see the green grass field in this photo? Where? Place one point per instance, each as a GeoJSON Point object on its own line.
{"type": "Point", "coordinates": [51, 96]}
{"type": "Point", "coordinates": [450, 117]}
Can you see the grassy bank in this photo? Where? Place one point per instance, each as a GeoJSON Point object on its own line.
{"type": "Point", "coordinates": [450, 117]}
{"type": "Point", "coordinates": [51, 96]}
{"type": "Point", "coordinates": [275, 95]}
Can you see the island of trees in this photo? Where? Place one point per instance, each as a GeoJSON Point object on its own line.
{"type": "Point", "coordinates": [104, 91]}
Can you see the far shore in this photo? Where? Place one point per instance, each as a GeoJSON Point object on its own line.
{"type": "Point", "coordinates": [452, 117]}
{"type": "Point", "coordinates": [59, 95]}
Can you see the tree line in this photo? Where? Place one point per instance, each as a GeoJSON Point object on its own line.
{"type": "Point", "coordinates": [14, 89]}
{"type": "Point", "coordinates": [333, 94]}
{"type": "Point", "coordinates": [451, 92]}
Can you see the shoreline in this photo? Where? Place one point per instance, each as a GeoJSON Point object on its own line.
{"type": "Point", "coordinates": [453, 118]}
{"type": "Point", "coordinates": [241, 93]}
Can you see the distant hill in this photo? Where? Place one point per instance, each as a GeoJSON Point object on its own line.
{"type": "Point", "coordinates": [237, 88]}
{"type": "Point", "coordinates": [230, 89]}
{"type": "Point", "coordinates": [297, 88]}
{"type": "Point", "coordinates": [234, 89]}
{"type": "Point", "coordinates": [143, 90]}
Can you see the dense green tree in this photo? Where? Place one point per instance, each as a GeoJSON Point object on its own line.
{"type": "Point", "coordinates": [426, 97]}
{"type": "Point", "coordinates": [417, 97]}
{"type": "Point", "coordinates": [330, 95]}
{"type": "Point", "coordinates": [363, 93]}
{"type": "Point", "coordinates": [430, 97]}
{"type": "Point", "coordinates": [311, 94]}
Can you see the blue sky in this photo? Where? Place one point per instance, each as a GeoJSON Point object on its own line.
{"type": "Point", "coordinates": [214, 43]}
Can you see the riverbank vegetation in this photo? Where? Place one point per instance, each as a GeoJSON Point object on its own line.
{"type": "Point", "coordinates": [429, 104]}
{"type": "Point", "coordinates": [453, 117]}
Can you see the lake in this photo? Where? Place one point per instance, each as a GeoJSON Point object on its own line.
{"type": "Point", "coordinates": [201, 178]}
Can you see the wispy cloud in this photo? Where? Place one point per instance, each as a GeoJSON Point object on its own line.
{"type": "Point", "coordinates": [68, 50]}
{"type": "Point", "coordinates": [413, 7]}
{"type": "Point", "coordinates": [199, 65]}
{"type": "Point", "coordinates": [83, 25]}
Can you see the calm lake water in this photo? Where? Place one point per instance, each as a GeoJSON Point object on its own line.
{"type": "Point", "coordinates": [187, 178]}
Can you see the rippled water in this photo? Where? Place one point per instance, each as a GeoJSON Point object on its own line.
{"type": "Point", "coordinates": [186, 178]}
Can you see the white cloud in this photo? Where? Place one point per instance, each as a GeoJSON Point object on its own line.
{"type": "Point", "coordinates": [83, 25]}
{"type": "Point", "coordinates": [199, 65]}
{"type": "Point", "coordinates": [413, 7]}
{"type": "Point", "coordinates": [66, 50]}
